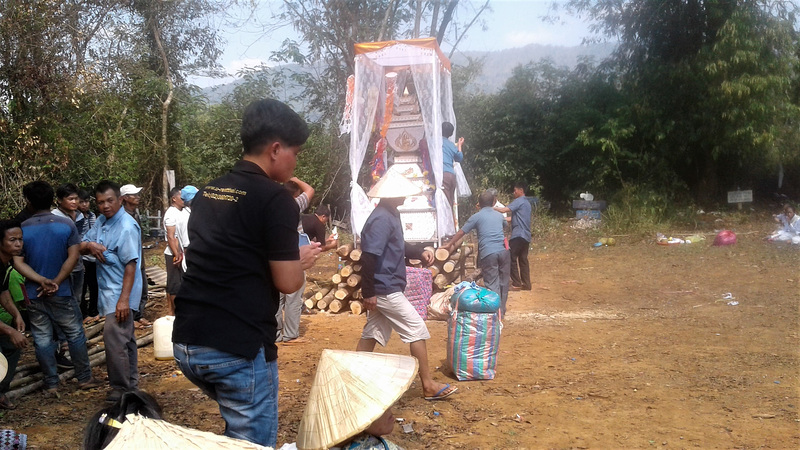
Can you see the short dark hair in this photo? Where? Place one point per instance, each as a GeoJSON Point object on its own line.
{"type": "Point", "coordinates": [8, 224]}
{"type": "Point", "coordinates": [83, 194]}
{"type": "Point", "coordinates": [447, 129]}
{"type": "Point", "coordinates": [40, 194]}
{"type": "Point", "coordinates": [65, 190]}
{"type": "Point", "coordinates": [520, 185]}
{"type": "Point", "coordinates": [267, 121]}
{"type": "Point", "coordinates": [173, 192]}
{"type": "Point", "coordinates": [322, 210]}
{"type": "Point", "coordinates": [103, 187]}
{"type": "Point", "coordinates": [486, 199]}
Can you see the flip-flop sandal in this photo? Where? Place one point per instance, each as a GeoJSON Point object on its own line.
{"type": "Point", "coordinates": [5, 403]}
{"type": "Point", "coordinates": [440, 395]}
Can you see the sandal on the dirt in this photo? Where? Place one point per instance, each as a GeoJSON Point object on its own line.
{"type": "Point", "coordinates": [5, 403]}
{"type": "Point", "coordinates": [443, 393]}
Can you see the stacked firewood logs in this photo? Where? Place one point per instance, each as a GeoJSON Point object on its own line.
{"type": "Point", "coordinates": [343, 293]}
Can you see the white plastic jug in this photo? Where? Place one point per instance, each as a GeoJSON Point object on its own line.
{"type": "Point", "coordinates": [162, 338]}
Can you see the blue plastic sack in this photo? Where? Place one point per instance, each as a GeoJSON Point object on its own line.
{"type": "Point", "coordinates": [473, 298]}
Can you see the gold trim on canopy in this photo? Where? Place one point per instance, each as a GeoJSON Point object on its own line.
{"type": "Point", "coordinates": [368, 47]}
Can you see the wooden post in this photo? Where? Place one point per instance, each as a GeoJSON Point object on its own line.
{"type": "Point", "coordinates": [355, 255]}
{"type": "Point", "coordinates": [441, 254]}
{"type": "Point", "coordinates": [356, 307]}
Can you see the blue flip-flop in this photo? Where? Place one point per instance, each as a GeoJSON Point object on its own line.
{"type": "Point", "coordinates": [440, 396]}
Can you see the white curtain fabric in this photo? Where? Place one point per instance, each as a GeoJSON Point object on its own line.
{"type": "Point", "coordinates": [434, 93]}
{"type": "Point", "coordinates": [428, 81]}
{"type": "Point", "coordinates": [366, 96]}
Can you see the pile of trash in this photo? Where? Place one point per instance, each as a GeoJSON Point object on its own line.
{"type": "Point", "coordinates": [586, 223]}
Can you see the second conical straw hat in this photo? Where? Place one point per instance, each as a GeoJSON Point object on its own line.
{"type": "Point", "coordinates": [393, 185]}
{"type": "Point", "coordinates": [350, 391]}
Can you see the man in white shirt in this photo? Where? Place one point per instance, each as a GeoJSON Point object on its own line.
{"type": "Point", "coordinates": [173, 254]}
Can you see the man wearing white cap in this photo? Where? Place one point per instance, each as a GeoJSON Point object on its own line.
{"type": "Point", "coordinates": [384, 280]}
{"type": "Point", "coordinates": [130, 201]}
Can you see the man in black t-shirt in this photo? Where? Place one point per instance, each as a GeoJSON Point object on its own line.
{"type": "Point", "coordinates": [243, 231]}
{"type": "Point", "coordinates": [314, 227]}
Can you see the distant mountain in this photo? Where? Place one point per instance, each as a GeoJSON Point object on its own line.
{"type": "Point", "coordinates": [497, 66]}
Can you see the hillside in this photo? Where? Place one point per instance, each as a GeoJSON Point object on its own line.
{"type": "Point", "coordinates": [498, 65]}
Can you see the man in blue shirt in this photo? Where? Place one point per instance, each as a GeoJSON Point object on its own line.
{"type": "Point", "coordinates": [50, 252]}
{"type": "Point", "coordinates": [115, 242]}
{"type": "Point", "coordinates": [383, 280]}
{"type": "Point", "coordinates": [520, 209]}
{"type": "Point", "coordinates": [450, 154]}
{"type": "Point", "coordinates": [494, 259]}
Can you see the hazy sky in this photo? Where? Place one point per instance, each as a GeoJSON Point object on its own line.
{"type": "Point", "coordinates": [511, 23]}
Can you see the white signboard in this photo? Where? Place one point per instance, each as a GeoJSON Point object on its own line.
{"type": "Point", "coordinates": [740, 196]}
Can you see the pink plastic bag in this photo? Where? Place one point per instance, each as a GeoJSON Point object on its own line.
{"type": "Point", "coordinates": [725, 237]}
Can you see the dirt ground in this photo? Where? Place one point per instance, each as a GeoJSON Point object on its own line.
{"type": "Point", "coordinates": [631, 346]}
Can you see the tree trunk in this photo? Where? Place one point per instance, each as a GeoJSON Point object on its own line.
{"type": "Point", "coordinates": [165, 105]}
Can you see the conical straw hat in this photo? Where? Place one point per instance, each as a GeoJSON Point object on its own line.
{"type": "Point", "coordinates": [3, 366]}
{"type": "Point", "coordinates": [142, 433]}
{"type": "Point", "coordinates": [350, 391]}
{"type": "Point", "coordinates": [393, 185]}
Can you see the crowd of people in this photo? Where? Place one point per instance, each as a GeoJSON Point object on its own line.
{"type": "Point", "coordinates": [237, 250]}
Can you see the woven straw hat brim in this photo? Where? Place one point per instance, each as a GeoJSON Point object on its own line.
{"type": "Point", "coordinates": [142, 433]}
{"type": "Point", "coordinates": [393, 185]}
{"type": "Point", "coordinates": [3, 366]}
{"type": "Point", "coordinates": [350, 391]}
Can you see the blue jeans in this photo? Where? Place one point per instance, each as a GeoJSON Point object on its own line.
{"type": "Point", "coordinates": [245, 389]}
{"type": "Point", "coordinates": [45, 313]}
{"type": "Point", "coordinates": [76, 281]}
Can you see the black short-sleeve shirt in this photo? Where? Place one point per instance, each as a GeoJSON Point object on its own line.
{"type": "Point", "coordinates": [228, 300]}
{"type": "Point", "coordinates": [313, 227]}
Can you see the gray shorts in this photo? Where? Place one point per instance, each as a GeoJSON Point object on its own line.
{"type": "Point", "coordinates": [395, 312]}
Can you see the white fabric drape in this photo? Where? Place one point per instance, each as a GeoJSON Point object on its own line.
{"type": "Point", "coordinates": [427, 80]}
{"type": "Point", "coordinates": [434, 93]}
{"type": "Point", "coordinates": [366, 96]}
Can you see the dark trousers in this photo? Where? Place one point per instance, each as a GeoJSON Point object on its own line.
{"type": "Point", "coordinates": [449, 186]}
{"type": "Point", "coordinates": [89, 305]}
{"type": "Point", "coordinates": [122, 357]}
{"type": "Point", "coordinates": [520, 269]}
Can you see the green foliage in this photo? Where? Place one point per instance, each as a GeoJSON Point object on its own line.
{"type": "Point", "coordinates": [638, 210]}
